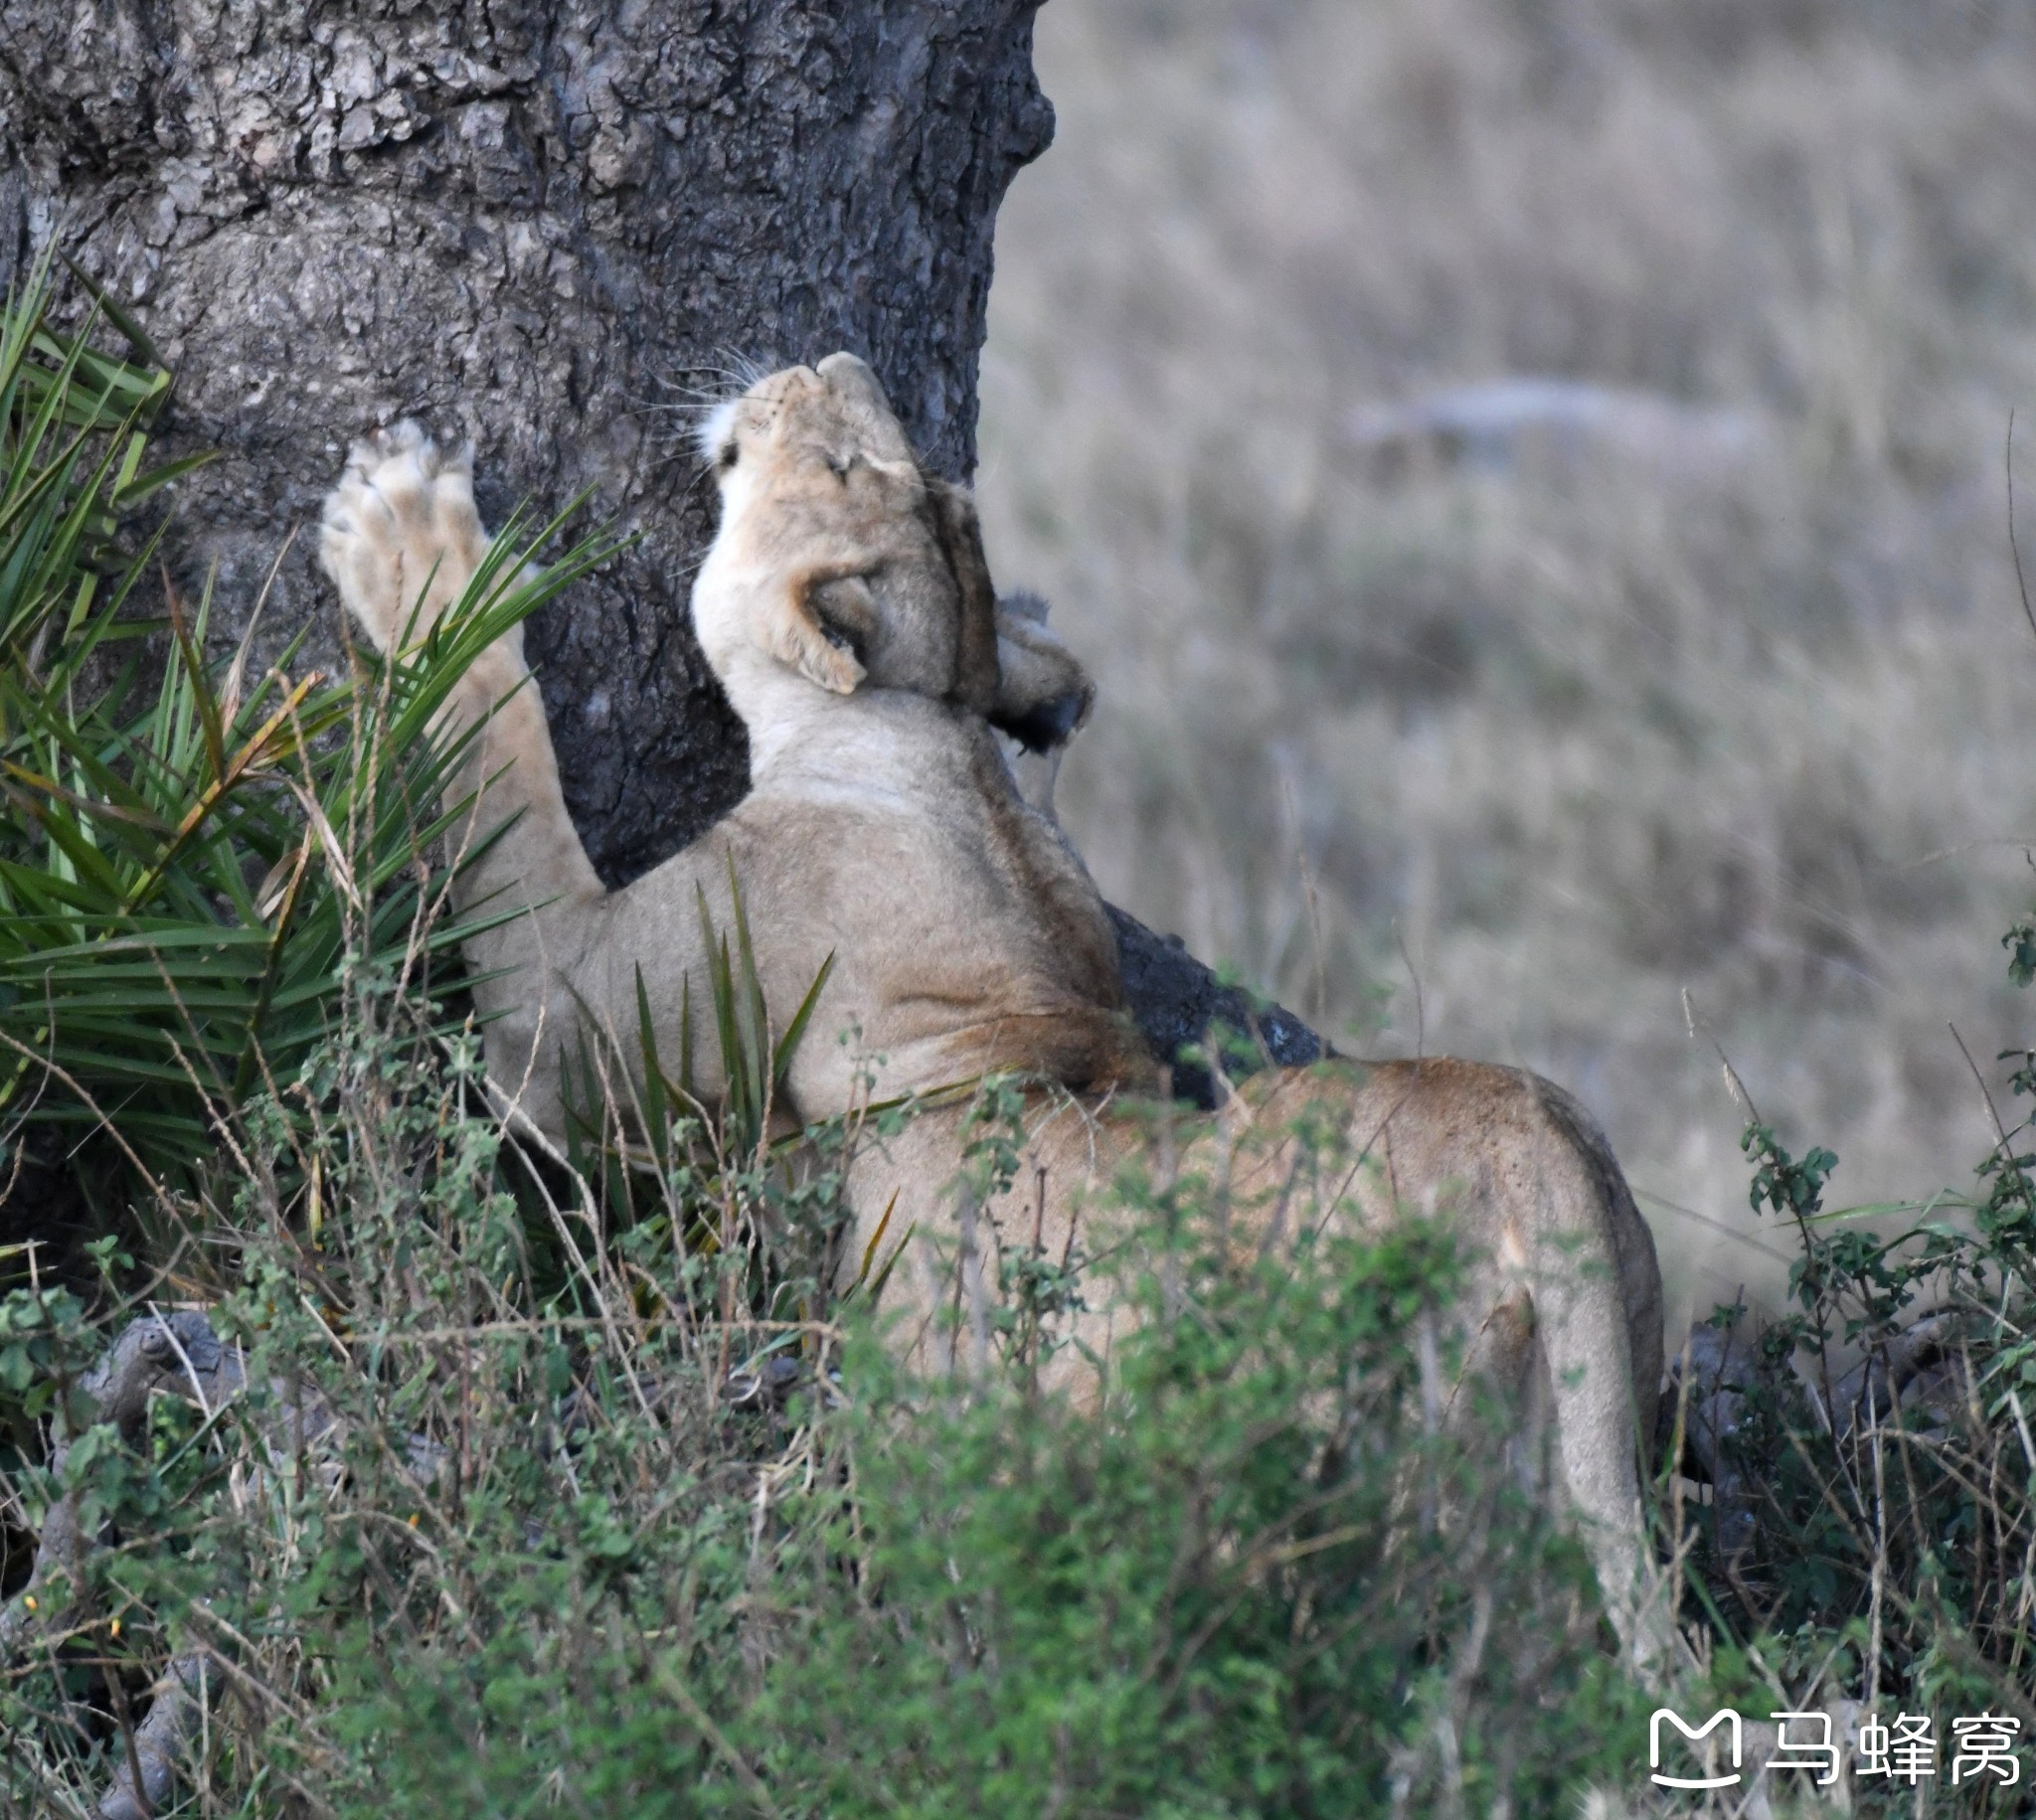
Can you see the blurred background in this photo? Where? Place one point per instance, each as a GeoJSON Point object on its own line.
{"type": "Point", "coordinates": [1528, 477]}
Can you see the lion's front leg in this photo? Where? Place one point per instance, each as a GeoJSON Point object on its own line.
{"type": "Point", "coordinates": [401, 535]}
{"type": "Point", "coordinates": [402, 540]}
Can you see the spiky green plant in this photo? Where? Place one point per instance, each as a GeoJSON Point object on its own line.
{"type": "Point", "coordinates": [756, 1061]}
{"type": "Point", "coordinates": [190, 854]}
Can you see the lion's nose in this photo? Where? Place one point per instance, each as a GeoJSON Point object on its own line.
{"type": "Point", "coordinates": [846, 364]}
{"type": "Point", "coordinates": [845, 373]}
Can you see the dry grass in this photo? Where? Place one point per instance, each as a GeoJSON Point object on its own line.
{"type": "Point", "coordinates": [1578, 729]}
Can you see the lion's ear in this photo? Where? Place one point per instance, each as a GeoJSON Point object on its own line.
{"type": "Point", "coordinates": [798, 635]}
{"type": "Point", "coordinates": [1044, 695]}
{"type": "Point", "coordinates": [975, 652]}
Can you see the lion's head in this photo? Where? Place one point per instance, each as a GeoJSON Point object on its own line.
{"type": "Point", "coordinates": [840, 559]}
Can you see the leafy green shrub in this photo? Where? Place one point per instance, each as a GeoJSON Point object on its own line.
{"type": "Point", "coordinates": [1873, 1524]}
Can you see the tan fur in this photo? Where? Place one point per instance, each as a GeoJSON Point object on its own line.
{"type": "Point", "coordinates": [1561, 1310]}
{"type": "Point", "coordinates": [848, 614]}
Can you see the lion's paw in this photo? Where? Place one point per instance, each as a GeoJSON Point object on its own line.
{"type": "Point", "coordinates": [401, 535]}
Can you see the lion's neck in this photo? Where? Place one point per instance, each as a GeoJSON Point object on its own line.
{"type": "Point", "coordinates": [794, 724]}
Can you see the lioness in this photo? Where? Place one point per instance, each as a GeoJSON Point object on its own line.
{"type": "Point", "coordinates": [846, 609]}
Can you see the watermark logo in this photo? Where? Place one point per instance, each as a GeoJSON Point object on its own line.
{"type": "Point", "coordinates": [1725, 1716]}
{"type": "Point", "coordinates": [1905, 1751]}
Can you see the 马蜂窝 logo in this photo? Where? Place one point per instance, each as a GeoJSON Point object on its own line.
{"type": "Point", "coordinates": [1905, 1751]}
{"type": "Point", "coordinates": [1725, 1716]}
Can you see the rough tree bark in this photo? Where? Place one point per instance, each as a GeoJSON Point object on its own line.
{"type": "Point", "coordinates": [545, 225]}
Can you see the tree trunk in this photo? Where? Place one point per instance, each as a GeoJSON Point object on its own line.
{"type": "Point", "coordinates": [547, 227]}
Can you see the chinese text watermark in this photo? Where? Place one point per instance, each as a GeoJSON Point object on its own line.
{"type": "Point", "coordinates": [1905, 1750]}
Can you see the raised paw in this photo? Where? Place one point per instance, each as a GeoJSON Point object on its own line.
{"type": "Point", "coordinates": [401, 535]}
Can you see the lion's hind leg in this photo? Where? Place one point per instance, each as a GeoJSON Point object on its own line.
{"type": "Point", "coordinates": [401, 535]}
